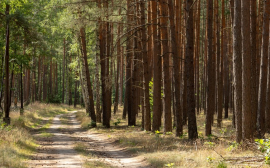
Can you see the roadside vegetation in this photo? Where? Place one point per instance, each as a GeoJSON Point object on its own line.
{"type": "Point", "coordinates": [165, 150]}
{"type": "Point", "coordinates": [17, 144]}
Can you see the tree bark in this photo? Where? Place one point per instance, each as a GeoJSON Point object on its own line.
{"type": "Point", "coordinates": [157, 69]}
{"type": "Point", "coordinates": [246, 75]}
{"type": "Point", "coordinates": [210, 70]}
{"type": "Point", "coordinates": [163, 9]}
{"type": "Point", "coordinates": [263, 73]}
{"type": "Point", "coordinates": [6, 119]}
{"type": "Point", "coordinates": [189, 73]}
{"type": "Point", "coordinates": [147, 114]}
{"type": "Point", "coordinates": [89, 87]}
{"type": "Point", "coordinates": [176, 68]}
{"type": "Point", "coordinates": [63, 83]}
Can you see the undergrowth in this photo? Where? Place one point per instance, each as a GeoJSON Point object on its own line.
{"type": "Point", "coordinates": [17, 145]}
{"type": "Point", "coordinates": [165, 150]}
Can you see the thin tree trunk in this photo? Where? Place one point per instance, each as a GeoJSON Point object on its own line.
{"type": "Point", "coordinates": [210, 70]}
{"type": "Point", "coordinates": [6, 97]}
{"type": "Point", "coordinates": [220, 67]}
{"type": "Point", "coordinates": [157, 69]}
{"type": "Point", "coordinates": [263, 73]}
{"type": "Point", "coordinates": [254, 95]}
{"type": "Point", "coordinates": [63, 83]}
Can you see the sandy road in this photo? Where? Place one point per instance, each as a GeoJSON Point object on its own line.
{"type": "Point", "coordinates": [58, 150]}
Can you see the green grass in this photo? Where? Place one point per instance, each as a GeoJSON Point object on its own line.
{"type": "Point", "coordinates": [17, 145]}
{"type": "Point", "coordinates": [81, 148]}
{"type": "Point", "coordinates": [96, 164]}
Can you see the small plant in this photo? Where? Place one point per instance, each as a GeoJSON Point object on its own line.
{"type": "Point", "coordinates": [157, 132]}
{"type": "Point", "coordinates": [92, 124]}
{"type": "Point", "coordinates": [210, 144]}
{"type": "Point", "coordinates": [200, 135]}
{"type": "Point", "coordinates": [210, 159]}
{"type": "Point", "coordinates": [3, 125]}
{"type": "Point", "coordinates": [209, 137]}
{"type": "Point", "coordinates": [169, 165]}
{"type": "Point", "coordinates": [234, 145]}
{"type": "Point", "coordinates": [183, 135]}
{"type": "Point", "coordinates": [169, 133]}
{"type": "Point", "coordinates": [117, 122]}
{"type": "Point", "coordinates": [264, 147]}
{"type": "Point", "coordinates": [222, 164]}
{"type": "Point", "coordinates": [223, 131]}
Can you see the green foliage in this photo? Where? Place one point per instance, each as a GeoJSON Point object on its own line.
{"type": "Point", "coordinates": [117, 122]}
{"type": "Point", "coordinates": [222, 164]}
{"type": "Point", "coordinates": [264, 147]}
{"type": "Point", "coordinates": [157, 133]}
{"type": "Point", "coordinates": [151, 94]}
{"type": "Point", "coordinates": [169, 165]}
{"type": "Point", "coordinates": [210, 159]}
{"type": "Point", "coordinates": [183, 135]}
{"type": "Point", "coordinates": [169, 133]}
{"type": "Point", "coordinates": [223, 131]}
{"type": "Point", "coordinates": [234, 145]}
{"type": "Point", "coordinates": [210, 144]}
{"type": "Point", "coordinates": [92, 124]}
{"type": "Point", "coordinates": [55, 99]}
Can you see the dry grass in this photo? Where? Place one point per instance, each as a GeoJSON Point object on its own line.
{"type": "Point", "coordinates": [96, 164]}
{"type": "Point", "coordinates": [159, 150]}
{"type": "Point", "coordinates": [16, 143]}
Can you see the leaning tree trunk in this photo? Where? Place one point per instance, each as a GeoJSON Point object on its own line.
{"type": "Point", "coordinates": [89, 87]}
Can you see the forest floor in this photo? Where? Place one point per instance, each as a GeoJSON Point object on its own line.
{"type": "Point", "coordinates": [64, 146]}
{"type": "Point", "coordinates": [165, 150]}
{"type": "Point", "coordinates": [60, 136]}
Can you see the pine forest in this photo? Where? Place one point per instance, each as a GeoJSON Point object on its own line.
{"type": "Point", "coordinates": [134, 83]}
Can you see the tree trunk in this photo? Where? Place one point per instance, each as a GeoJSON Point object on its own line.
{"type": "Point", "coordinates": [176, 68]}
{"type": "Point", "coordinates": [89, 87]}
{"type": "Point", "coordinates": [6, 119]}
{"type": "Point", "coordinates": [246, 75]}
{"type": "Point", "coordinates": [220, 66]}
{"type": "Point", "coordinates": [163, 9]}
{"type": "Point", "coordinates": [210, 70]}
{"type": "Point", "coordinates": [189, 73]}
{"type": "Point", "coordinates": [254, 94]}
{"type": "Point", "coordinates": [147, 114]}
{"type": "Point", "coordinates": [157, 69]}
{"type": "Point", "coordinates": [263, 73]}
{"type": "Point", "coordinates": [44, 80]}
{"type": "Point", "coordinates": [63, 84]}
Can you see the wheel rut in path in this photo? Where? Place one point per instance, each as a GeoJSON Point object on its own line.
{"type": "Point", "coordinates": [58, 150]}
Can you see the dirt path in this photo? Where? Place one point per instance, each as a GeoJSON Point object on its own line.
{"type": "Point", "coordinates": [57, 150]}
